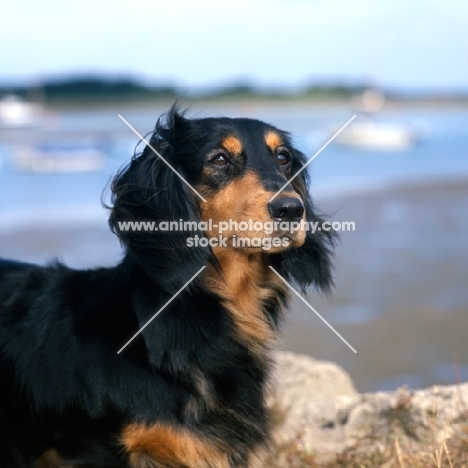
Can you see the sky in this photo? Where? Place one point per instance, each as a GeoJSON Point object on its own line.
{"type": "Point", "coordinates": [390, 43]}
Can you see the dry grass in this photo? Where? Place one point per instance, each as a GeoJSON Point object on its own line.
{"type": "Point", "coordinates": [392, 452]}
{"type": "Point", "coordinates": [449, 454]}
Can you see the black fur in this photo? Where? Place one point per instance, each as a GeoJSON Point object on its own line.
{"type": "Point", "coordinates": [63, 385]}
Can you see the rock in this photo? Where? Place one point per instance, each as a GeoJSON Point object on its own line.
{"type": "Point", "coordinates": [302, 379]}
{"type": "Point", "coordinates": [307, 394]}
{"type": "Point", "coordinates": [322, 412]}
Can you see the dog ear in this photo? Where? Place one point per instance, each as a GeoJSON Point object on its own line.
{"type": "Point", "coordinates": [148, 196]}
{"type": "Point", "coordinates": [311, 263]}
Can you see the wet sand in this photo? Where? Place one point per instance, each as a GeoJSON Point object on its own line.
{"type": "Point", "coordinates": [401, 294]}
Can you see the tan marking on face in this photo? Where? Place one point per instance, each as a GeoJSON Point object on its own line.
{"type": "Point", "coordinates": [245, 200]}
{"type": "Point", "coordinates": [164, 445]}
{"type": "Point", "coordinates": [232, 144]}
{"type": "Point", "coordinates": [273, 140]}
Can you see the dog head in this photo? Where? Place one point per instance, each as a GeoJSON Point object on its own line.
{"type": "Point", "coordinates": [229, 179]}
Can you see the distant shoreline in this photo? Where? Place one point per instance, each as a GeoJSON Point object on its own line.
{"type": "Point", "coordinates": [99, 91]}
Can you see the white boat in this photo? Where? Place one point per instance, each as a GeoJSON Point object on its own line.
{"type": "Point", "coordinates": [17, 113]}
{"type": "Point", "coordinates": [369, 132]}
{"type": "Point", "coordinates": [378, 135]}
{"type": "Point", "coordinates": [58, 157]}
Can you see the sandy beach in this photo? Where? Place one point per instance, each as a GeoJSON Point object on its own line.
{"type": "Point", "coordinates": [401, 294]}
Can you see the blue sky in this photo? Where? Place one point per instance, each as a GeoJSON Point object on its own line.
{"type": "Point", "coordinates": [397, 43]}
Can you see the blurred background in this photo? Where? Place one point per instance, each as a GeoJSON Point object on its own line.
{"type": "Point", "coordinates": [399, 171]}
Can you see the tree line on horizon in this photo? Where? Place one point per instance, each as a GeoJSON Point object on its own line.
{"type": "Point", "coordinates": [98, 89]}
{"type": "Point", "coordinates": [95, 88]}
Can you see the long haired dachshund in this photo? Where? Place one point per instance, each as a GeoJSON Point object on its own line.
{"type": "Point", "coordinates": [189, 390]}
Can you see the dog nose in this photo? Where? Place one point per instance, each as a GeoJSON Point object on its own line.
{"type": "Point", "coordinates": [286, 209]}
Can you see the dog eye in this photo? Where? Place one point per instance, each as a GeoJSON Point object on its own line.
{"type": "Point", "coordinates": [283, 157]}
{"type": "Point", "coordinates": [220, 160]}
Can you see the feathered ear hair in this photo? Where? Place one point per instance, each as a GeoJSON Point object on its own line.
{"type": "Point", "coordinates": [311, 263]}
{"type": "Point", "coordinates": [149, 191]}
